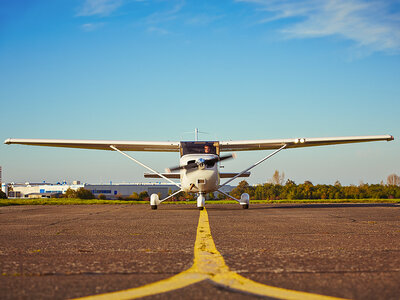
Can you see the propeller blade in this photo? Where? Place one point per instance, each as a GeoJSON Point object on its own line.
{"type": "Point", "coordinates": [187, 167]}
{"type": "Point", "coordinates": [207, 162]}
{"type": "Point", "coordinates": [210, 162]}
{"type": "Point", "coordinates": [233, 155]}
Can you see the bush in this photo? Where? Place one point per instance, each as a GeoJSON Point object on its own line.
{"type": "Point", "coordinates": [102, 197]}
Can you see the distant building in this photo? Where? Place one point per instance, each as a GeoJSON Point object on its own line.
{"type": "Point", "coordinates": [111, 191]}
{"type": "Point", "coordinates": [38, 190]}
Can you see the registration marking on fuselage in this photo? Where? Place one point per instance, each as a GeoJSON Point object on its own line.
{"type": "Point", "coordinates": [209, 264]}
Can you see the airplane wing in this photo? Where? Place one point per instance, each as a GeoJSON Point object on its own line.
{"type": "Point", "coordinates": [245, 145]}
{"type": "Point", "coordinates": [297, 142]}
{"type": "Point", "coordinates": [100, 145]}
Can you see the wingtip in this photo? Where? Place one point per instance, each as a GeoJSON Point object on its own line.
{"type": "Point", "coordinates": [7, 141]}
{"type": "Point", "coordinates": [391, 138]}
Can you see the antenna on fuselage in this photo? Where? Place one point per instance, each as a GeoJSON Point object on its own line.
{"type": "Point", "coordinates": [196, 134]}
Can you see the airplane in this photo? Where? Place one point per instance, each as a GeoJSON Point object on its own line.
{"type": "Point", "coordinates": [198, 168]}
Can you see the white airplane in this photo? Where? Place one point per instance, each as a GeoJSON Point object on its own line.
{"type": "Point", "coordinates": [198, 166]}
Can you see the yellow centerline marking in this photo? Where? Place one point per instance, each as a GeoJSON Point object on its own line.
{"type": "Point", "coordinates": [208, 264]}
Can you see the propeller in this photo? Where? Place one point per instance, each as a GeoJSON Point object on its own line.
{"type": "Point", "coordinates": [202, 162]}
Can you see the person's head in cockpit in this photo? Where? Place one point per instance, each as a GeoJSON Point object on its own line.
{"type": "Point", "coordinates": [207, 149]}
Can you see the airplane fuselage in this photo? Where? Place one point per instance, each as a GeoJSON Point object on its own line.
{"type": "Point", "coordinates": [203, 179]}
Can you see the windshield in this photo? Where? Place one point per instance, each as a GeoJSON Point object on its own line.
{"type": "Point", "coordinates": [199, 148]}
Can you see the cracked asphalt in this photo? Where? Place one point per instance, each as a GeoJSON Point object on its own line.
{"type": "Point", "coordinates": [59, 252]}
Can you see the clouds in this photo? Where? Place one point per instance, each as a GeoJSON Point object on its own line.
{"type": "Point", "coordinates": [91, 26]}
{"type": "Point", "coordinates": [158, 12]}
{"type": "Point", "coordinates": [372, 25]}
{"type": "Point", "coordinates": [99, 7]}
{"type": "Point", "coordinates": [162, 16]}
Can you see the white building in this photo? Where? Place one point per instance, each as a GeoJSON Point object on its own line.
{"type": "Point", "coordinates": [111, 191]}
{"type": "Point", "coordinates": [38, 190]}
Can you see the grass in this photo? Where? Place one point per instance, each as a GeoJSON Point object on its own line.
{"type": "Point", "coordinates": [61, 201]}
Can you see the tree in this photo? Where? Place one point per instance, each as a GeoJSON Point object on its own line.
{"type": "Point", "coordinates": [221, 196]}
{"type": "Point", "coordinates": [134, 196]}
{"type": "Point", "coordinates": [242, 187]}
{"type": "Point", "coordinates": [143, 195]}
{"type": "Point", "coordinates": [278, 178]}
{"type": "Point", "coordinates": [290, 182]}
{"type": "Point", "coordinates": [70, 193]}
{"type": "Point", "coordinates": [3, 195]}
{"type": "Point", "coordinates": [83, 193]}
{"type": "Point", "coordinates": [393, 179]}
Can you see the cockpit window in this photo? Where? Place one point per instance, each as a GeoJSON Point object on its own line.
{"type": "Point", "coordinates": [199, 148]}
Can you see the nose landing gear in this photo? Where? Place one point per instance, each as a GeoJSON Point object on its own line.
{"type": "Point", "coordinates": [201, 199]}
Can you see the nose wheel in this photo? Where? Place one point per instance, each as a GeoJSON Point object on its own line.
{"type": "Point", "coordinates": [201, 199]}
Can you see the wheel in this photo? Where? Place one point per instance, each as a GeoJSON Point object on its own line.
{"type": "Point", "coordinates": [245, 206]}
{"type": "Point", "coordinates": [201, 208]}
{"type": "Point", "coordinates": [153, 206]}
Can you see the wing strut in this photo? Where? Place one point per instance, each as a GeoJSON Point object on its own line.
{"type": "Point", "coordinates": [170, 196]}
{"type": "Point", "coordinates": [256, 164]}
{"type": "Point", "coordinates": [227, 195]}
{"type": "Point", "coordinates": [143, 165]}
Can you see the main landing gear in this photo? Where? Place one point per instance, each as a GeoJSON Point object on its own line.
{"type": "Point", "coordinates": [154, 201]}
{"type": "Point", "coordinates": [244, 199]}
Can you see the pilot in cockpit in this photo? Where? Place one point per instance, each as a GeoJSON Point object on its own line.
{"type": "Point", "coordinates": [207, 149]}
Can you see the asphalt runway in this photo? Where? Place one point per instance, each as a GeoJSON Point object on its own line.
{"type": "Point", "coordinates": [59, 252]}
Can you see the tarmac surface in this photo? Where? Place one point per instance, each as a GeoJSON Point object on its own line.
{"type": "Point", "coordinates": [60, 252]}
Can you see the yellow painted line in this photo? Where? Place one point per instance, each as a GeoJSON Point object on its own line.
{"type": "Point", "coordinates": [209, 264]}
{"type": "Point", "coordinates": [208, 260]}
{"type": "Point", "coordinates": [178, 281]}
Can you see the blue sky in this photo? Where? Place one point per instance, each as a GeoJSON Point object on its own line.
{"type": "Point", "coordinates": [155, 70]}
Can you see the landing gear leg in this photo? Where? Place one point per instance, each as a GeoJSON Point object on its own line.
{"type": "Point", "coordinates": [154, 201]}
{"type": "Point", "coordinates": [201, 199]}
{"type": "Point", "coordinates": [244, 200]}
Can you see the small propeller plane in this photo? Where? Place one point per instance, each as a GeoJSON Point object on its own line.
{"type": "Point", "coordinates": [198, 168]}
